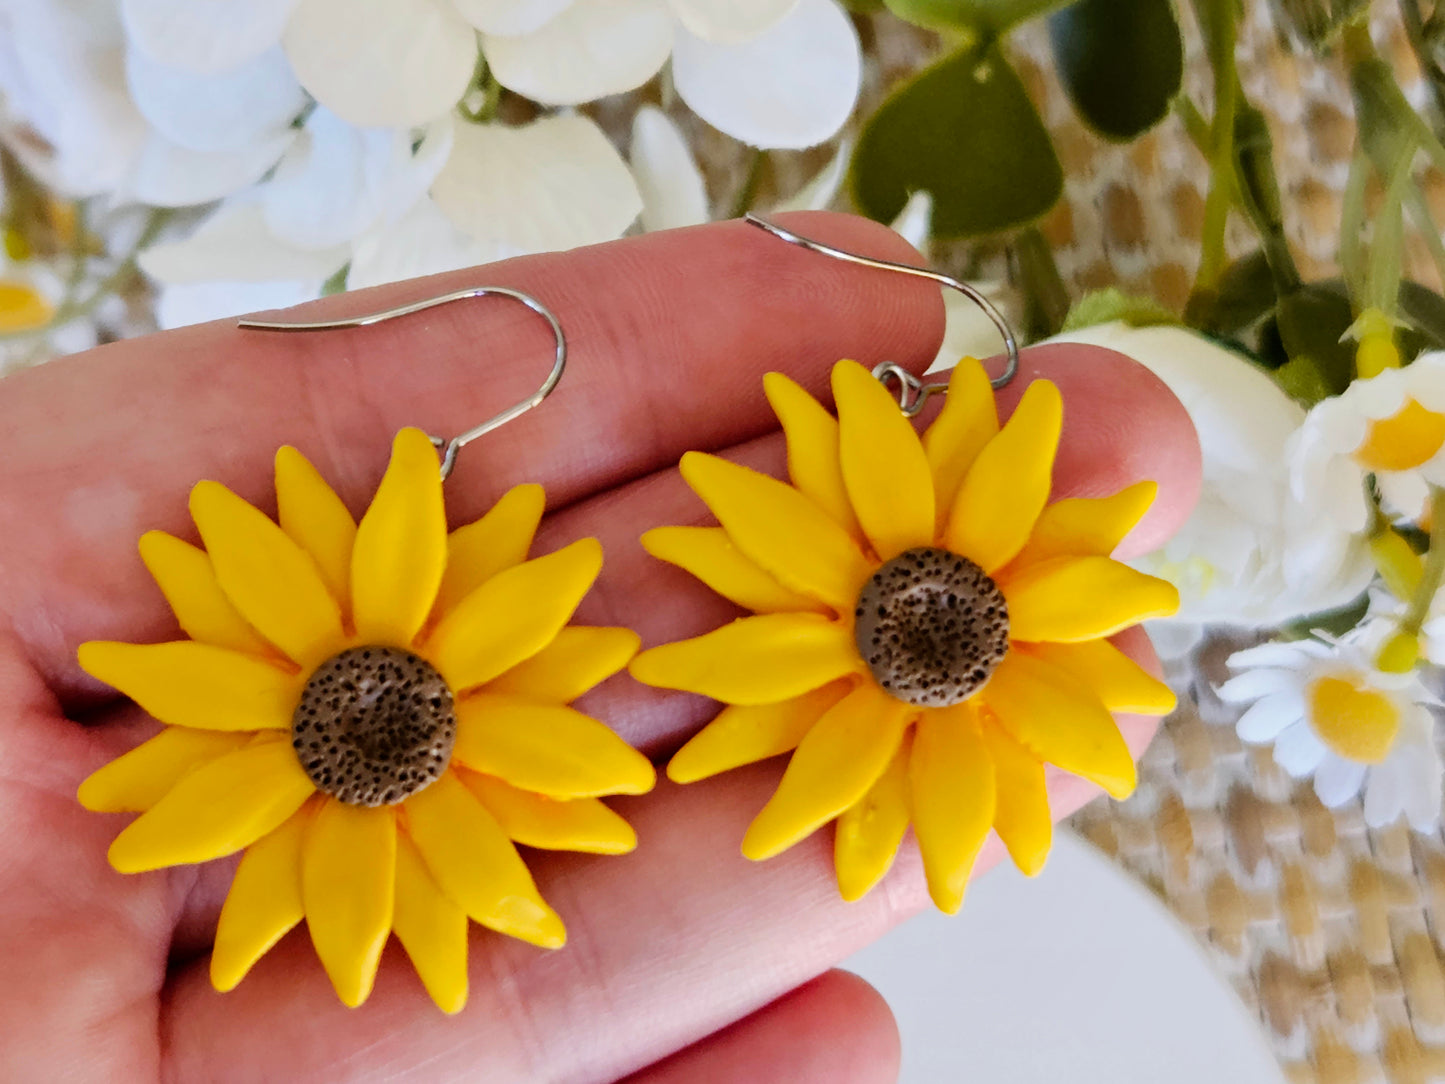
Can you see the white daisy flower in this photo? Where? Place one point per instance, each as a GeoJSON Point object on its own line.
{"type": "Point", "coordinates": [1331, 714]}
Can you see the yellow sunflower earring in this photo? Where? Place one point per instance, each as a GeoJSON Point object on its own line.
{"type": "Point", "coordinates": [374, 712]}
{"type": "Point", "coordinates": [928, 630]}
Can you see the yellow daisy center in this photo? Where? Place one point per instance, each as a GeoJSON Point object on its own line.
{"type": "Point", "coordinates": [375, 725]}
{"type": "Point", "coordinates": [22, 308]}
{"type": "Point", "coordinates": [932, 627]}
{"type": "Point", "coordinates": [1404, 440]}
{"type": "Point", "coordinates": [1358, 724]}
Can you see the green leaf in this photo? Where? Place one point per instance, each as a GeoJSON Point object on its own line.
{"type": "Point", "coordinates": [1425, 311]}
{"type": "Point", "coordinates": [964, 131]}
{"type": "Point", "coordinates": [1246, 294]}
{"type": "Point", "coordinates": [1110, 304]}
{"type": "Point", "coordinates": [1120, 62]}
{"type": "Point", "coordinates": [1303, 341]}
{"type": "Point", "coordinates": [992, 17]}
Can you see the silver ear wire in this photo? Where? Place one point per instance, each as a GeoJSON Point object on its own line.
{"type": "Point", "coordinates": [448, 448]}
{"type": "Point", "coordinates": [912, 392]}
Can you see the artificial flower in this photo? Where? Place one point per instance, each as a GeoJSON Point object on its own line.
{"type": "Point", "coordinates": [929, 630]}
{"type": "Point", "coordinates": [374, 713]}
{"type": "Point", "coordinates": [1331, 713]}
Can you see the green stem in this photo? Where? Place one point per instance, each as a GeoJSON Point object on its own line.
{"type": "Point", "coordinates": [1420, 212]}
{"type": "Point", "coordinates": [1195, 126]}
{"type": "Point", "coordinates": [1048, 297]}
{"type": "Point", "coordinates": [1218, 16]}
{"type": "Point", "coordinates": [1434, 572]}
{"type": "Point", "coordinates": [1417, 30]}
{"type": "Point", "coordinates": [749, 191]}
{"type": "Point", "coordinates": [1352, 224]}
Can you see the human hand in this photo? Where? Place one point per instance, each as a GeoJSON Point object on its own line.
{"type": "Point", "coordinates": [670, 335]}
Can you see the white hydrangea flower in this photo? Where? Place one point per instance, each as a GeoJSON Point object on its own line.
{"type": "Point", "coordinates": [1331, 714]}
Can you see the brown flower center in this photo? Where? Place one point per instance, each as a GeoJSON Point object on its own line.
{"type": "Point", "coordinates": [932, 627]}
{"type": "Point", "coordinates": [374, 726]}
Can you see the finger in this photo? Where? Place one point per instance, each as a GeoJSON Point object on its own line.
{"type": "Point", "coordinates": [836, 1028]}
{"type": "Point", "coordinates": [669, 335]}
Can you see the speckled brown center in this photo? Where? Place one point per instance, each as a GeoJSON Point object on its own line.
{"type": "Point", "coordinates": [375, 725]}
{"type": "Point", "coordinates": [932, 626]}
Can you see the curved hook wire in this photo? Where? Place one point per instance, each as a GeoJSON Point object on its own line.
{"type": "Point", "coordinates": [912, 392]}
{"type": "Point", "coordinates": [448, 448]}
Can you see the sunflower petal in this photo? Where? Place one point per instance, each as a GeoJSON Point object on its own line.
{"type": "Point", "coordinates": [185, 576]}
{"type": "Point", "coordinates": [401, 545]}
{"type": "Point", "coordinates": [1087, 526]}
{"type": "Point", "coordinates": [579, 658]}
{"type": "Point", "coordinates": [813, 457]}
{"type": "Point", "coordinates": [953, 796]}
{"type": "Point", "coordinates": [870, 830]}
{"type": "Point", "coordinates": [513, 615]}
{"type": "Point", "coordinates": [196, 685]}
{"type": "Point", "coordinates": [742, 734]}
{"type": "Point", "coordinates": [754, 660]}
{"type": "Point", "coordinates": [1117, 680]}
{"type": "Point", "coordinates": [535, 820]}
{"type": "Point", "coordinates": [348, 884]}
{"type": "Point", "coordinates": [1069, 599]}
{"type": "Point", "coordinates": [1007, 486]}
{"type": "Point", "coordinates": [492, 544]}
{"type": "Point", "coordinates": [134, 782]}
{"type": "Point", "coordinates": [1022, 819]}
{"type": "Point", "coordinates": [474, 863]}
{"type": "Point", "coordinates": [216, 810]}
{"type": "Point", "coordinates": [547, 748]}
{"type": "Point", "coordinates": [834, 765]}
{"type": "Point", "coordinates": [273, 583]}
{"type": "Point", "coordinates": [787, 534]}
{"type": "Point", "coordinates": [263, 904]}
{"type": "Point", "coordinates": [967, 422]}
{"type": "Point", "coordinates": [1060, 721]}
{"type": "Point", "coordinates": [314, 517]}
{"type": "Point", "coordinates": [885, 469]}
{"type": "Point", "coordinates": [431, 928]}
{"type": "Point", "coordinates": [711, 557]}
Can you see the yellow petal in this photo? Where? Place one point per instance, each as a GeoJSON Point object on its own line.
{"type": "Point", "coordinates": [401, 545]}
{"type": "Point", "coordinates": [513, 615]}
{"type": "Point", "coordinates": [1009, 483]}
{"type": "Point", "coordinates": [185, 576]}
{"type": "Point", "coordinates": [431, 928]}
{"type": "Point", "coordinates": [1087, 526]}
{"type": "Point", "coordinates": [138, 780]}
{"type": "Point", "coordinates": [273, 583]}
{"type": "Point", "coordinates": [884, 466]}
{"type": "Point", "coordinates": [814, 464]}
{"type": "Point", "coordinates": [968, 420]}
{"type": "Point", "coordinates": [348, 884]}
{"type": "Point", "coordinates": [216, 810]}
{"type": "Point", "coordinates": [1022, 820]}
{"type": "Point", "coordinates": [263, 904]}
{"type": "Point", "coordinates": [314, 517]}
{"type": "Point", "coordinates": [578, 659]}
{"type": "Point", "coordinates": [535, 820]}
{"type": "Point", "coordinates": [475, 864]}
{"type": "Point", "coordinates": [952, 794]}
{"type": "Point", "coordinates": [832, 768]}
{"type": "Point", "coordinates": [1060, 721]}
{"type": "Point", "coordinates": [754, 660]}
{"type": "Point", "coordinates": [492, 544]}
{"type": "Point", "coordinates": [1068, 599]}
{"type": "Point", "coordinates": [785, 532]}
{"type": "Point", "coordinates": [547, 748]}
{"type": "Point", "coordinates": [191, 684]}
{"type": "Point", "coordinates": [870, 830]}
{"type": "Point", "coordinates": [1119, 682]}
{"type": "Point", "coordinates": [710, 555]}
{"type": "Point", "coordinates": [742, 734]}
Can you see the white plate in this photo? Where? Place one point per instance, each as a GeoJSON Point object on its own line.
{"type": "Point", "coordinates": [1078, 976]}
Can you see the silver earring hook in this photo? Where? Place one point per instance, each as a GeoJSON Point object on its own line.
{"type": "Point", "coordinates": [912, 392]}
{"type": "Point", "coordinates": [448, 448]}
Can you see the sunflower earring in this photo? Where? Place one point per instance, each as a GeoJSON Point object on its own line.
{"type": "Point", "coordinates": [374, 712]}
{"type": "Point", "coordinates": [928, 630]}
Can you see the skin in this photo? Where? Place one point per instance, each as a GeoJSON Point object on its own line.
{"type": "Point", "coordinates": [684, 961]}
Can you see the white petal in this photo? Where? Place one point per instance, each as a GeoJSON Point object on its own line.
{"type": "Point", "coordinates": [915, 223]}
{"type": "Point", "coordinates": [791, 87]}
{"type": "Point", "coordinates": [1252, 684]}
{"type": "Point", "coordinates": [234, 245]}
{"type": "Point", "coordinates": [222, 112]}
{"type": "Point", "coordinates": [673, 193]}
{"type": "Point", "coordinates": [1298, 751]}
{"type": "Point", "coordinates": [1423, 793]}
{"type": "Point", "coordinates": [1281, 654]}
{"type": "Point", "coordinates": [1337, 780]}
{"type": "Point", "coordinates": [593, 49]}
{"type": "Point", "coordinates": [198, 302]}
{"type": "Point", "coordinates": [1385, 793]}
{"type": "Point", "coordinates": [730, 21]}
{"type": "Point", "coordinates": [170, 176]}
{"type": "Point", "coordinates": [509, 16]}
{"type": "Point", "coordinates": [205, 35]}
{"type": "Point", "coordinates": [382, 62]}
{"type": "Point", "coordinates": [818, 193]}
{"type": "Point", "coordinates": [421, 242]}
{"type": "Point", "coordinates": [1405, 491]}
{"type": "Point", "coordinates": [553, 184]}
{"type": "Point", "coordinates": [1266, 719]}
